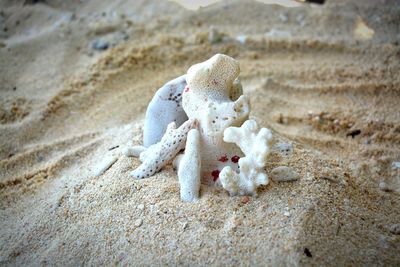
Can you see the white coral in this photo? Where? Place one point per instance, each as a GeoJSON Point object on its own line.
{"type": "Point", "coordinates": [158, 155]}
{"type": "Point", "coordinates": [255, 146]}
{"type": "Point", "coordinates": [213, 96]}
{"type": "Point", "coordinates": [218, 148]}
{"type": "Point", "coordinates": [189, 167]}
{"type": "Point", "coordinates": [164, 108]}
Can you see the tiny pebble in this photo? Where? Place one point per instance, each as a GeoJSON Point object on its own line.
{"type": "Point", "coordinates": [286, 213]}
{"type": "Point", "coordinates": [100, 45]}
{"type": "Point", "coordinates": [396, 165]}
{"type": "Point", "coordinates": [138, 222]}
{"type": "Point", "coordinates": [283, 174]}
{"type": "Point", "coordinates": [133, 151]}
{"type": "Point", "coordinates": [140, 206]}
{"type": "Point", "coordinates": [384, 187]}
{"type": "Point", "coordinates": [395, 229]}
{"type": "Point", "coordinates": [241, 39]}
{"type": "Point", "coordinates": [367, 141]}
{"type": "Point", "coordinates": [245, 199]}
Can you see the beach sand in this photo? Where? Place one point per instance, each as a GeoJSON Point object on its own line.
{"type": "Point", "coordinates": [76, 77]}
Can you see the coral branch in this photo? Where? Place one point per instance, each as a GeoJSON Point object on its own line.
{"type": "Point", "coordinates": [255, 146]}
{"type": "Point", "coordinates": [189, 168]}
{"type": "Point", "coordinates": [160, 154]}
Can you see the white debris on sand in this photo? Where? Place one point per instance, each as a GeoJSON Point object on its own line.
{"type": "Point", "coordinates": [283, 174]}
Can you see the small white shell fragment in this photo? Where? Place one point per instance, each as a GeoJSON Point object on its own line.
{"type": "Point", "coordinates": [133, 151]}
{"type": "Point", "coordinates": [241, 39]}
{"type": "Point", "coordinates": [184, 225]}
{"type": "Point", "coordinates": [395, 165]}
{"type": "Point", "coordinates": [361, 30]}
{"type": "Point", "coordinates": [141, 206]}
{"type": "Point", "coordinates": [104, 165]}
{"type": "Point", "coordinates": [274, 33]}
{"type": "Point", "coordinates": [286, 212]}
{"type": "Point", "coordinates": [283, 174]}
{"type": "Point", "coordinates": [138, 222]}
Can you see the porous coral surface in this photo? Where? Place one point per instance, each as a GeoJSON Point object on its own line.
{"type": "Point", "coordinates": [255, 144]}
{"type": "Point", "coordinates": [207, 98]}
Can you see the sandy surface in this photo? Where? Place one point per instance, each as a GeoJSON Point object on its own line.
{"type": "Point", "coordinates": [325, 78]}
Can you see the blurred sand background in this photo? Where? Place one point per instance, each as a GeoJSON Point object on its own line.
{"type": "Point", "coordinates": [76, 77]}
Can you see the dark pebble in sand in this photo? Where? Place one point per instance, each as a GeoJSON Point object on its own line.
{"type": "Point", "coordinates": [353, 133]}
{"type": "Point", "coordinates": [307, 252]}
{"type": "Point", "coordinates": [100, 45]}
{"type": "Point", "coordinates": [395, 229]}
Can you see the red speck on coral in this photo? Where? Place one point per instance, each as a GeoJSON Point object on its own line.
{"type": "Point", "coordinates": [224, 158]}
{"type": "Point", "coordinates": [186, 89]}
{"type": "Point", "coordinates": [215, 175]}
{"type": "Point", "coordinates": [235, 159]}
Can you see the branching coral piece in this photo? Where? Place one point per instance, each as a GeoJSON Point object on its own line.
{"type": "Point", "coordinates": [160, 154]}
{"type": "Point", "coordinates": [223, 146]}
{"type": "Point", "coordinates": [255, 146]}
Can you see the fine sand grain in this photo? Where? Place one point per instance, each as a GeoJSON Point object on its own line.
{"type": "Point", "coordinates": [76, 77]}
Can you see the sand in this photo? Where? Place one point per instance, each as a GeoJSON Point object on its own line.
{"type": "Point", "coordinates": [322, 77]}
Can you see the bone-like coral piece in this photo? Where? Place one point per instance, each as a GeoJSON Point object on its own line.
{"type": "Point", "coordinates": [105, 164]}
{"type": "Point", "coordinates": [255, 145]}
{"type": "Point", "coordinates": [161, 153]}
{"type": "Point", "coordinates": [211, 97]}
{"type": "Point", "coordinates": [134, 151]}
{"type": "Point", "coordinates": [164, 108]}
{"type": "Point", "coordinates": [189, 168]}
